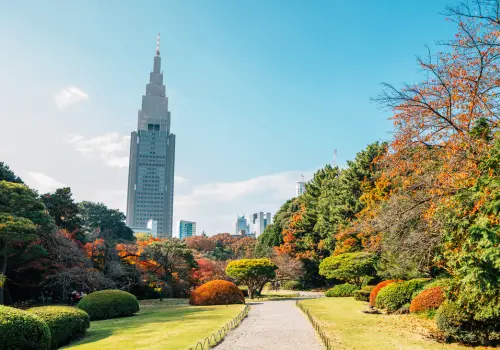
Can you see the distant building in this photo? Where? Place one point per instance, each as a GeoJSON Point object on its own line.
{"type": "Point", "coordinates": [153, 226]}
{"type": "Point", "coordinates": [241, 225]}
{"type": "Point", "coordinates": [259, 222]}
{"type": "Point", "coordinates": [300, 187]}
{"type": "Point", "coordinates": [186, 229]}
{"type": "Point", "coordinates": [138, 230]}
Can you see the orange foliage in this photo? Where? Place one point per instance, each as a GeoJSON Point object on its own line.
{"type": "Point", "coordinates": [290, 237]}
{"type": "Point", "coordinates": [378, 287]}
{"type": "Point", "coordinates": [217, 292]}
{"type": "Point", "coordinates": [428, 299]}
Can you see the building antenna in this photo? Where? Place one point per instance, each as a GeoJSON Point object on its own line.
{"type": "Point", "coordinates": [158, 45]}
{"type": "Point", "coordinates": [334, 158]}
{"type": "Point", "coordinates": [302, 176]}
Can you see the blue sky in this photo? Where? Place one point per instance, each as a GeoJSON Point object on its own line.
{"type": "Point", "coordinates": [260, 91]}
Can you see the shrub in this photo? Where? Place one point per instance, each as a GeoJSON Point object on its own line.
{"type": "Point", "coordinates": [377, 288]}
{"type": "Point", "coordinates": [217, 292]}
{"type": "Point", "coordinates": [361, 295]}
{"type": "Point", "coordinates": [65, 323]}
{"type": "Point", "coordinates": [22, 330]}
{"type": "Point", "coordinates": [254, 273]}
{"type": "Point", "coordinates": [244, 289]}
{"type": "Point", "coordinates": [341, 290]}
{"type": "Point", "coordinates": [428, 299]}
{"type": "Point", "coordinates": [395, 295]}
{"type": "Point", "coordinates": [368, 288]}
{"type": "Point", "coordinates": [110, 303]}
{"type": "Point", "coordinates": [292, 285]}
{"type": "Point", "coordinates": [353, 268]}
{"type": "Point", "coordinates": [458, 325]}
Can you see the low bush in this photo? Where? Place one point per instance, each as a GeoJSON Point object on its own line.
{"type": "Point", "coordinates": [341, 290]}
{"type": "Point", "coordinates": [22, 330]}
{"type": "Point", "coordinates": [65, 323]}
{"type": "Point", "coordinates": [292, 285]}
{"type": "Point", "coordinates": [217, 292]}
{"type": "Point", "coordinates": [459, 326]}
{"type": "Point", "coordinates": [106, 304]}
{"type": "Point", "coordinates": [395, 295]}
{"type": "Point", "coordinates": [361, 295]}
{"type": "Point", "coordinates": [377, 288]}
{"type": "Point", "coordinates": [427, 299]}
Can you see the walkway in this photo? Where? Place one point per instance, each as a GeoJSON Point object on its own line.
{"type": "Point", "coordinates": [272, 325]}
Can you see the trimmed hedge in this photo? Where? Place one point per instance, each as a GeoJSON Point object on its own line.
{"type": "Point", "coordinates": [292, 285]}
{"type": "Point", "coordinates": [459, 326]}
{"type": "Point", "coordinates": [111, 303]}
{"type": "Point", "coordinates": [428, 299]}
{"type": "Point", "coordinates": [65, 323]}
{"type": "Point", "coordinates": [22, 330]}
{"type": "Point", "coordinates": [395, 295]}
{"type": "Point", "coordinates": [361, 295]}
{"type": "Point", "coordinates": [378, 287]}
{"type": "Point", "coordinates": [217, 292]}
{"type": "Point", "coordinates": [341, 290]}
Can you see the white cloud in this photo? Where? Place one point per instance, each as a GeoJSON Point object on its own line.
{"type": "Point", "coordinates": [179, 180]}
{"type": "Point", "coordinates": [111, 148]}
{"type": "Point", "coordinates": [42, 182]}
{"type": "Point", "coordinates": [69, 95]}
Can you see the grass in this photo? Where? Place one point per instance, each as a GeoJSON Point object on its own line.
{"type": "Point", "coordinates": [348, 328]}
{"type": "Point", "coordinates": [169, 324]}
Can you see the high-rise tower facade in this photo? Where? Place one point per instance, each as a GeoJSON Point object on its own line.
{"type": "Point", "coordinates": [152, 157]}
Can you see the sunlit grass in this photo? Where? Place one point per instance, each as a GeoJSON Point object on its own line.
{"type": "Point", "coordinates": [349, 328]}
{"type": "Point", "coordinates": [170, 324]}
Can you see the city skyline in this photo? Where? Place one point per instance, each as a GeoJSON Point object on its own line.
{"type": "Point", "coordinates": [224, 76]}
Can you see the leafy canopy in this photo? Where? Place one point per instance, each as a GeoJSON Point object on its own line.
{"type": "Point", "coordinates": [353, 268]}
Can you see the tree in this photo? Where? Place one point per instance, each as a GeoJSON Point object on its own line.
{"type": "Point", "coordinates": [289, 269]}
{"type": "Point", "coordinates": [353, 268]}
{"type": "Point", "coordinates": [63, 209]}
{"type": "Point", "coordinates": [200, 243]}
{"type": "Point", "coordinates": [8, 175]}
{"type": "Point", "coordinates": [254, 273]}
{"type": "Point", "coordinates": [98, 221]}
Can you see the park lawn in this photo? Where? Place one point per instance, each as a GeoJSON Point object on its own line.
{"type": "Point", "coordinates": [159, 325]}
{"type": "Point", "coordinates": [348, 328]}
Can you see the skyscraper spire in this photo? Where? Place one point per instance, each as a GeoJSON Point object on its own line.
{"type": "Point", "coordinates": [158, 45]}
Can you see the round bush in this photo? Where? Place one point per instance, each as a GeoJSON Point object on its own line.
{"type": "Point", "coordinates": [292, 285]}
{"type": "Point", "coordinates": [378, 287]}
{"type": "Point", "coordinates": [395, 295]}
{"type": "Point", "coordinates": [428, 299]}
{"type": "Point", "coordinates": [65, 323]}
{"type": "Point", "coordinates": [22, 330]}
{"type": "Point", "coordinates": [459, 326]}
{"type": "Point", "coordinates": [217, 292]}
{"type": "Point", "coordinates": [341, 290]}
{"type": "Point", "coordinates": [111, 303]}
{"type": "Point", "coordinates": [361, 295]}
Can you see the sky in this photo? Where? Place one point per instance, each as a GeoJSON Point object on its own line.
{"type": "Point", "coordinates": [260, 92]}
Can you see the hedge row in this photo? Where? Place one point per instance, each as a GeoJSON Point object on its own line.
{"type": "Point", "coordinates": [395, 295]}
{"type": "Point", "coordinates": [22, 330]}
{"type": "Point", "coordinates": [341, 290]}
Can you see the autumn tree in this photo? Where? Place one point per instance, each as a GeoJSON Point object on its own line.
{"type": "Point", "coordinates": [200, 243]}
{"type": "Point", "coordinates": [253, 273]}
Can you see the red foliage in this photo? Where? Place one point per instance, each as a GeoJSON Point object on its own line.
{"type": "Point", "coordinates": [217, 292]}
{"type": "Point", "coordinates": [378, 287]}
{"type": "Point", "coordinates": [427, 299]}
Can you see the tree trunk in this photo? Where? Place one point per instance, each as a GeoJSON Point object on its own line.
{"type": "Point", "coordinates": [3, 268]}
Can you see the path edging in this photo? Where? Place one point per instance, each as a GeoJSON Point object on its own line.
{"type": "Point", "coordinates": [316, 325]}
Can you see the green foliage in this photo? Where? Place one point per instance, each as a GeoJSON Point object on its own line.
{"type": "Point", "coordinates": [99, 221]}
{"type": "Point", "coordinates": [8, 175]}
{"type": "Point", "coordinates": [361, 295]}
{"type": "Point", "coordinates": [460, 326]}
{"type": "Point", "coordinates": [22, 330]}
{"type": "Point", "coordinates": [341, 290]}
{"type": "Point", "coordinates": [396, 295]}
{"type": "Point", "coordinates": [63, 209]}
{"type": "Point", "coordinates": [65, 323]}
{"type": "Point", "coordinates": [111, 303]}
{"type": "Point", "coordinates": [350, 267]}
{"type": "Point", "coordinates": [271, 237]}
{"type": "Point", "coordinates": [292, 285]}
{"type": "Point", "coordinates": [254, 273]}
{"type": "Point", "coordinates": [471, 249]}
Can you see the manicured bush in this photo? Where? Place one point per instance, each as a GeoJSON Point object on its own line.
{"type": "Point", "coordinates": [253, 273]}
{"type": "Point", "coordinates": [354, 268]}
{"type": "Point", "coordinates": [395, 295]}
{"type": "Point", "coordinates": [341, 290]}
{"type": "Point", "coordinates": [377, 288]}
{"type": "Point", "coordinates": [427, 299]}
{"type": "Point", "coordinates": [458, 325]}
{"type": "Point", "coordinates": [110, 303]}
{"type": "Point", "coordinates": [217, 292]}
{"type": "Point", "coordinates": [292, 285]}
{"type": "Point", "coordinates": [65, 323]}
{"type": "Point", "coordinates": [361, 295]}
{"type": "Point", "coordinates": [22, 330]}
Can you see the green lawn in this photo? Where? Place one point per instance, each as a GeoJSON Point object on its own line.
{"type": "Point", "coordinates": [349, 328]}
{"type": "Point", "coordinates": [159, 325]}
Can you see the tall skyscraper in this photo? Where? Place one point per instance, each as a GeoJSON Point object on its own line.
{"type": "Point", "coordinates": [259, 222]}
{"type": "Point", "coordinates": [152, 156]}
{"type": "Point", "coordinates": [186, 229]}
{"type": "Point", "coordinates": [300, 187]}
{"type": "Point", "coordinates": [241, 225]}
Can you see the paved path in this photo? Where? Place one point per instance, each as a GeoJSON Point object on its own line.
{"type": "Point", "coordinates": [272, 325]}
